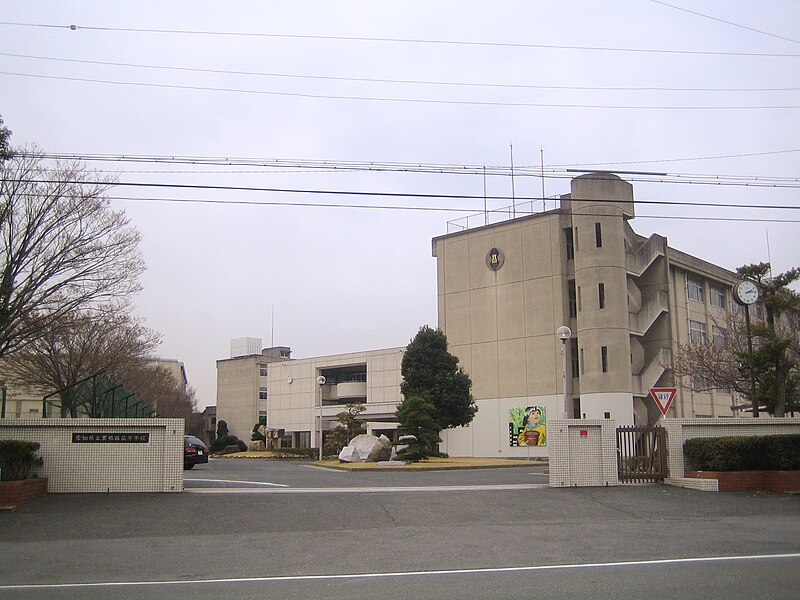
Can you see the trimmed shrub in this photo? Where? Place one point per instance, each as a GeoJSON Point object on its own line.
{"type": "Point", "coordinates": [219, 444]}
{"type": "Point", "coordinates": [18, 460]}
{"type": "Point", "coordinates": [757, 453]}
{"type": "Point", "coordinates": [296, 452]}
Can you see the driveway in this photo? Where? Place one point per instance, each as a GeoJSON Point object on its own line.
{"type": "Point", "coordinates": [447, 535]}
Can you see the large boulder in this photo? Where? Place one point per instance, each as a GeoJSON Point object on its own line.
{"type": "Point", "coordinates": [350, 454]}
{"type": "Point", "coordinates": [372, 448]}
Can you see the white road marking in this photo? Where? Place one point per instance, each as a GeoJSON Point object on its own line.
{"type": "Point", "coordinates": [238, 481]}
{"type": "Point", "coordinates": [386, 574]}
{"type": "Point", "coordinates": [361, 490]}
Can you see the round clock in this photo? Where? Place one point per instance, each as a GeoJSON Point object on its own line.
{"type": "Point", "coordinates": [746, 292]}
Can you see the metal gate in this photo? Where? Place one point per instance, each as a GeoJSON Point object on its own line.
{"type": "Point", "coordinates": [641, 454]}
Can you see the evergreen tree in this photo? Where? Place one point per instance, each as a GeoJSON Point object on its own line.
{"type": "Point", "coordinates": [432, 373]}
{"type": "Point", "coordinates": [418, 418]}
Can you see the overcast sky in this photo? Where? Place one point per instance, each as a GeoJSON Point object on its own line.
{"type": "Point", "coordinates": [635, 85]}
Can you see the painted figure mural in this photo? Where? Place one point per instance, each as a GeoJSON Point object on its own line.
{"type": "Point", "coordinates": [527, 426]}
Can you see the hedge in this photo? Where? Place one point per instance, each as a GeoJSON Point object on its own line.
{"type": "Point", "coordinates": [757, 453]}
{"type": "Point", "coordinates": [18, 460]}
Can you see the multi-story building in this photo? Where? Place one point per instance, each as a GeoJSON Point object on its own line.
{"type": "Point", "coordinates": [275, 390]}
{"type": "Point", "coordinates": [504, 290]}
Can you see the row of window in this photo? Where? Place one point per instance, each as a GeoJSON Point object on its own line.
{"type": "Point", "coordinates": [576, 363]}
{"type": "Point", "coordinates": [574, 297]}
{"type": "Point", "coordinates": [571, 239]}
{"type": "Point", "coordinates": [695, 290]}
{"type": "Point", "coordinates": [697, 333]}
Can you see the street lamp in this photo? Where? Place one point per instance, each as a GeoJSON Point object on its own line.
{"type": "Point", "coordinates": [564, 333]}
{"type": "Point", "coordinates": [320, 383]}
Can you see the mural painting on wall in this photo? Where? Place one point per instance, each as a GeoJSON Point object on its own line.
{"type": "Point", "coordinates": [527, 426]}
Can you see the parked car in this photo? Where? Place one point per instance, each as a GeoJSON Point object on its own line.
{"type": "Point", "coordinates": [194, 451]}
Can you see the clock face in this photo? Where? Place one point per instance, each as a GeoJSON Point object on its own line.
{"type": "Point", "coordinates": [746, 292]}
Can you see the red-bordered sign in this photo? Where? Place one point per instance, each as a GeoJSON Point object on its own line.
{"type": "Point", "coordinates": [663, 397]}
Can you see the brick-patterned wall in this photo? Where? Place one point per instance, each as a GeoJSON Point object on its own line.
{"type": "Point", "coordinates": [107, 466]}
{"type": "Point", "coordinates": [680, 430]}
{"type": "Point", "coordinates": [17, 493]}
{"type": "Point", "coordinates": [582, 453]}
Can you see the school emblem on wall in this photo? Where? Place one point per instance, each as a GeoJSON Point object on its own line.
{"type": "Point", "coordinates": [495, 259]}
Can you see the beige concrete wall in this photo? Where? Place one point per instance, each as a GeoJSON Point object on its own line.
{"type": "Point", "coordinates": [293, 393]}
{"type": "Point", "coordinates": [500, 323]}
{"type": "Point", "coordinates": [112, 465]}
{"type": "Point", "coordinates": [238, 383]}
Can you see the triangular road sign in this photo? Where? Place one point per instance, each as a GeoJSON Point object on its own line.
{"type": "Point", "coordinates": [663, 397]}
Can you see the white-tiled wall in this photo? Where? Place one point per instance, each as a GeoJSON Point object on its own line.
{"type": "Point", "coordinates": [105, 466]}
{"type": "Point", "coordinates": [583, 452]}
{"type": "Point", "coordinates": [680, 430]}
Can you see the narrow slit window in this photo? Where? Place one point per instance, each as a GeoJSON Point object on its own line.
{"type": "Point", "coordinates": [604, 358]}
{"type": "Point", "coordinates": [601, 294]}
{"type": "Point", "coordinates": [598, 235]}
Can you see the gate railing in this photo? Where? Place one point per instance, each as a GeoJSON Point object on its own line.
{"type": "Point", "coordinates": [641, 454]}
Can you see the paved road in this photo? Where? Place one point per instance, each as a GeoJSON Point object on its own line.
{"type": "Point", "coordinates": [466, 539]}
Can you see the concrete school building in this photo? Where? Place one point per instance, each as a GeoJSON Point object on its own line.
{"type": "Point", "coordinates": [504, 290]}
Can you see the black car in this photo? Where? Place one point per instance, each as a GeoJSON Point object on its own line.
{"type": "Point", "coordinates": [194, 451]}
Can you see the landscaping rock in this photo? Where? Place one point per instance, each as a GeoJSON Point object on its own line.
{"type": "Point", "coordinates": [350, 454]}
{"type": "Point", "coordinates": [372, 448]}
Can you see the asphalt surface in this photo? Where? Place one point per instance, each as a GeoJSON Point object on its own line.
{"type": "Point", "coordinates": [264, 529]}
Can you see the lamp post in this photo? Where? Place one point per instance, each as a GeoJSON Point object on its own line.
{"type": "Point", "coordinates": [320, 383]}
{"type": "Point", "coordinates": [564, 333]}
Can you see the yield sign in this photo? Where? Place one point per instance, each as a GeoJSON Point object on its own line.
{"type": "Point", "coordinates": [663, 397]}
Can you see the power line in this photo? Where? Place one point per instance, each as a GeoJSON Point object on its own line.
{"type": "Point", "coordinates": [402, 100]}
{"type": "Point", "coordinates": [398, 81]}
{"type": "Point", "coordinates": [692, 12]}
{"type": "Point", "coordinates": [420, 208]}
{"type": "Point", "coordinates": [228, 188]}
{"type": "Point", "coordinates": [400, 40]}
{"type": "Point", "coordinates": [449, 169]}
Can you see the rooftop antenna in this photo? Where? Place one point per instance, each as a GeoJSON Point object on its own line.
{"type": "Point", "coordinates": [769, 256]}
{"type": "Point", "coordinates": [485, 213]}
{"type": "Point", "coordinates": [513, 194]}
{"type": "Point", "coordinates": [544, 196]}
{"type": "Point", "coordinates": [272, 340]}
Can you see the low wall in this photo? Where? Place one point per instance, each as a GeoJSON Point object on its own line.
{"type": "Point", "coordinates": [17, 493]}
{"type": "Point", "coordinates": [680, 430]}
{"type": "Point", "coordinates": [583, 452]}
{"type": "Point", "coordinates": [770, 481]}
{"type": "Point", "coordinates": [105, 455]}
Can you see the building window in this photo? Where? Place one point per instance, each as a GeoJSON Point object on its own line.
{"type": "Point", "coordinates": [582, 363]}
{"type": "Point", "coordinates": [757, 312]}
{"type": "Point", "coordinates": [579, 298]}
{"type": "Point", "coordinates": [700, 383]}
{"type": "Point", "coordinates": [604, 358]}
{"type": "Point", "coordinates": [598, 235]}
{"type": "Point", "coordinates": [694, 285]}
{"type": "Point", "coordinates": [697, 332]}
{"type": "Point", "coordinates": [303, 439]}
{"type": "Point", "coordinates": [719, 334]}
{"type": "Point", "coordinates": [286, 442]}
{"type": "Point", "coordinates": [716, 295]}
{"type": "Point", "coordinates": [601, 294]}
{"type": "Point", "coordinates": [262, 418]}
{"type": "Point", "coordinates": [572, 298]}
{"type": "Point", "coordinates": [262, 393]}
{"type": "Point", "coordinates": [573, 354]}
{"type": "Point", "coordinates": [262, 370]}
{"type": "Point", "coordinates": [570, 244]}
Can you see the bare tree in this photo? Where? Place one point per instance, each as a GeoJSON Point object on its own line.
{"type": "Point", "coordinates": [156, 386]}
{"type": "Point", "coordinates": [722, 361]}
{"type": "Point", "coordinates": [77, 346]}
{"type": "Point", "coordinates": [62, 248]}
